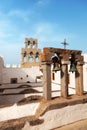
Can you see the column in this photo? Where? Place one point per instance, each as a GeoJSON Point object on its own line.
{"type": "Point", "coordinates": [22, 58]}
{"type": "Point", "coordinates": [79, 79]}
{"type": "Point", "coordinates": [31, 44]}
{"type": "Point", "coordinates": [64, 80]}
{"type": "Point", "coordinates": [27, 57]}
{"type": "Point", "coordinates": [34, 57]}
{"type": "Point", "coordinates": [46, 80]}
{"type": "Point", "coordinates": [26, 44]}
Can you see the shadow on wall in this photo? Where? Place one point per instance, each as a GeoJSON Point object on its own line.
{"type": "Point", "coordinates": [14, 93]}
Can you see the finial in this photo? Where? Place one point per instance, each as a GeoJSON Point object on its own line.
{"type": "Point", "coordinates": [64, 43]}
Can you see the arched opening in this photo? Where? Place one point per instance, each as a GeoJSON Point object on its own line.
{"type": "Point", "coordinates": [37, 57]}
{"type": "Point", "coordinates": [33, 45]}
{"type": "Point", "coordinates": [28, 44]}
{"type": "Point", "coordinates": [25, 56]}
{"type": "Point", "coordinates": [56, 62]}
{"type": "Point", "coordinates": [31, 57]}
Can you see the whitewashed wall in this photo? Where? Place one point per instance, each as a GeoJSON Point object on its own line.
{"type": "Point", "coordinates": [7, 73]}
{"type": "Point", "coordinates": [1, 69]}
{"type": "Point", "coordinates": [85, 72]}
{"type": "Point", "coordinates": [56, 83]}
{"type": "Point", "coordinates": [20, 74]}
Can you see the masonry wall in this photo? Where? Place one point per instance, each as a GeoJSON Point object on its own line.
{"type": "Point", "coordinates": [85, 72]}
{"type": "Point", "coordinates": [60, 117]}
{"type": "Point", "coordinates": [1, 69]}
{"type": "Point", "coordinates": [21, 74]}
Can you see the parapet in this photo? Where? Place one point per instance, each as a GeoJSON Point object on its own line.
{"type": "Point", "coordinates": [12, 66]}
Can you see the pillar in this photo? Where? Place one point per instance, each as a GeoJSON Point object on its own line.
{"type": "Point", "coordinates": [64, 80]}
{"type": "Point", "coordinates": [26, 44]}
{"type": "Point", "coordinates": [79, 79]}
{"type": "Point", "coordinates": [46, 80]}
{"type": "Point", "coordinates": [27, 57]}
{"type": "Point", "coordinates": [22, 57]}
{"type": "Point", "coordinates": [34, 58]}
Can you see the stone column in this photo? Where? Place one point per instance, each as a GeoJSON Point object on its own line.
{"type": "Point", "coordinates": [79, 79]}
{"type": "Point", "coordinates": [31, 44]}
{"type": "Point", "coordinates": [34, 58]}
{"type": "Point", "coordinates": [22, 57]}
{"type": "Point", "coordinates": [27, 57]}
{"type": "Point", "coordinates": [36, 45]}
{"type": "Point", "coordinates": [64, 80]}
{"type": "Point", "coordinates": [26, 44]}
{"type": "Point", "coordinates": [46, 80]}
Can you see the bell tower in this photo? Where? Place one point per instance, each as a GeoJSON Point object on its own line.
{"type": "Point", "coordinates": [30, 54]}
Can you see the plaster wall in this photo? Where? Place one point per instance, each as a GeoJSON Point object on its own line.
{"type": "Point", "coordinates": [85, 72]}
{"type": "Point", "coordinates": [1, 69]}
{"type": "Point", "coordinates": [18, 111]}
{"type": "Point", "coordinates": [59, 117]}
{"type": "Point", "coordinates": [57, 82]}
{"type": "Point", "coordinates": [22, 74]}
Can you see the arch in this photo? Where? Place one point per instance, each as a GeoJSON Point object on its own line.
{"type": "Point", "coordinates": [25, 56]}
{"type": "Point", "coordinates": [28, 44]}
{"type": "Point", "coordinates": [56, 62]}
{"type": "Point", "coordinates": [34, 44]}
{"type": "Point", "coordinates": [31, 57]}
{"type": "Point", "coordinates": [63, 54]}
{"type": "Point", "coordinates": [37, 57]}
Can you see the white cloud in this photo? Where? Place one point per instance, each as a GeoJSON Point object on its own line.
{"type": "Point", "coordinates": [43, 2]}
{"type": "Point", "coordinates": [20, 14]}
{"type": "Point", "coordinates": [12, 36]}
{"type": "Point", "coordinates": [11, 52]}
{"type": "Point", "coordinates": [50, 34]}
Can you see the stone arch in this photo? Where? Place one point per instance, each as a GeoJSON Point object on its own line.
{"type": "Point", "coordinates": [33, 44]}
{"type": "Point", "coordinates": [31, 57]}
{"type": "Point", "coordinates": [46, 65]}
{"type": "Point", "coordinates": [24, 55]}
{"type": "Point", "coordinates": [37, 56]}
{"type": "Point", "coordinates": [56, 61]}
{"type": "Point", "coordinates": [28, 44]}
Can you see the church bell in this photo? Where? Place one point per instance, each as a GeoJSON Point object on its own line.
{"type": "Point", "coordinates": [72, 68]}
{"type": "Point", "coordinates": [73, 63]}
{"type": "Point", "coordinates": [56, 64]}
{"type": "Point", "coordinates": [56, 67]}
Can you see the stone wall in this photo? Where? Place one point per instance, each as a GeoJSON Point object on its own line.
{"type": "Point", "coordinates": [21, 74]}
{"type": "Point", "coordinates": [1, 69]}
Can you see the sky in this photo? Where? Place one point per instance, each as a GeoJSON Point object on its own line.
{"type": "Point", "coordinates": [49, 21]}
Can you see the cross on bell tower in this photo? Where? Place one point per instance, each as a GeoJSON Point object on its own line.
{"type": "Point", "coordinates": [64, 43]}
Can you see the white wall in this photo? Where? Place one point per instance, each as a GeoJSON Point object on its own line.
{"type": "Point", "coordinates": [56, 83]}
{"type": "Point", "coordinates": [1, 67]}
{"type": "Point", "coordinates": [19, 73]}
{"type": "Point", "coordinates": [60, 117]}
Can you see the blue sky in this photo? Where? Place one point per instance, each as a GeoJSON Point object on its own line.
{"type": "Point", "coordinates": [50, 21]}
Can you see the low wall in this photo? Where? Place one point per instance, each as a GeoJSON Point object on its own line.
{"type": "Point", "coordinates": [52, 114]}
{"type": "Point", "coordinates": [59, 117]}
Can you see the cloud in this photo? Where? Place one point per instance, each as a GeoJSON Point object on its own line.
{"type": "Point", "coordinates": [10, 30]}
{"type": "Point", "coordinates": [12, 33]}
{"type": "Point", "coordinates": [50, 34]}
{"type": "Point", "coordinates": [43, 2]}
{"type": "Point", "coordinates": [11, 53]}
{"type": "Point", "coordinates": [20, 14]}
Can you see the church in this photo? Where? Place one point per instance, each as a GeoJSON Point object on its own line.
{"type": "Point", "coordinates": [46, 91]}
